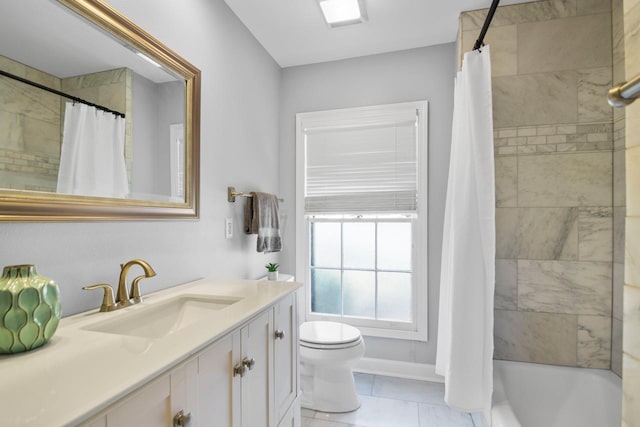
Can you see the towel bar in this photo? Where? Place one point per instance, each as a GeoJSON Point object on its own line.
{"type": "Point", "coordinates": [232, 194]}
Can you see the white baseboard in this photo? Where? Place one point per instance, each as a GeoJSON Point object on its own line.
{"type": "Point", "coordinates": [394, 368]}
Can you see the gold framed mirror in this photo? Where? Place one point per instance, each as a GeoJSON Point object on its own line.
{"type": "Point", "coordinates": [162, 174]}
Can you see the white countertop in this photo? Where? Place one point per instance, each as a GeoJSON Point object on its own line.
{"type": "Point", "coordinates": [79, 372]}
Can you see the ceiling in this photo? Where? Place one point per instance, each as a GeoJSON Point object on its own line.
{"type": "Point", "coordinates": [30, 34]}
{"type": "Point", "coordinates": [294, 32]}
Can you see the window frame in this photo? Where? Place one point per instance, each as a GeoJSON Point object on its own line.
{"type": "Point", "coordinates": [417, 329]}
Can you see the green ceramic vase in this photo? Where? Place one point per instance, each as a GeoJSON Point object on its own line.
{"type": "Point", "coordinates": [29, 309]}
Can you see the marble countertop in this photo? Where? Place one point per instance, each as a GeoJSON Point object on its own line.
{"type": "Point", "coordinates": [80, 372]}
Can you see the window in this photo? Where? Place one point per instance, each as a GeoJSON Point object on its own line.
{"type": "Point", "coordinates": [362, 268]}
{"type": "Point", "coordinates": [361, 217]}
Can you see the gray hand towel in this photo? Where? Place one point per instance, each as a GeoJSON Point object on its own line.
{"type": "Point", "coordinates": [261, 217]}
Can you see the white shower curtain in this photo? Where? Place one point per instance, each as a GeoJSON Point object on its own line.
{"type": "Point", "coordinates": [465, 329]}
{"type": "Point", "coordinates": [92, 157]}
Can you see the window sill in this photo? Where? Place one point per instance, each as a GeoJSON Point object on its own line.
{"type": "Point", "coordinates": [393, 334]}
{"type": "Point", "coordinates": [378, 332]}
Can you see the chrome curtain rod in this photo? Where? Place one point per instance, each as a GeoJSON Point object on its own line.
{"type": "Point", "coordinates": [57, 92]}
{"type": "Point", "coordinates": [232, 194]}
{"type": "Point", "coordinates": [625, 93]}
{"type": "Point", "coordinates": [492, 10]}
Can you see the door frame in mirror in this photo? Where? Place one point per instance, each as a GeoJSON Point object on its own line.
{"type": "Point", "coordinates": [26, 206]}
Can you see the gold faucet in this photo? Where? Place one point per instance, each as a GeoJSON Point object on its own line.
{"type": "Point", "coordinates": [134, 297]}
{"type": "Point", "coordinates": [107, 300]}
{"type": "Point", "coordinates": [122, 300]}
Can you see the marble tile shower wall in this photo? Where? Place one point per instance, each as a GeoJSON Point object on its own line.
{"type": "Point", "coordinates": [30, 142]}
{"type": "Point", "coordinates": [619, 189]}
{"type": "Point", "coordinates": [31, 121]}
{"type": "Point", "coordinates": [554, 138]}
{"type": "Point", "coordinates": [631, 309]}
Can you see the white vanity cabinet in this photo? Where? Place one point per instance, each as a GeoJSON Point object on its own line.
{"type": "Point", "coordinates": [217, 388]}
{"type": "Point", "coordinates": [292, 417]}
{"type": "Point", "coordinates": [247, 378]}
{"type": "Point", "coordinates": [256, 365]}
{"type": "Point", "coordinates": [286, 354]}
{"type": "Point", "coordinates": [157, 403]}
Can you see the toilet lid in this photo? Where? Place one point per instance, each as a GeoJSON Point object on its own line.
{"type": "Point", "coordinates": [328, 333]}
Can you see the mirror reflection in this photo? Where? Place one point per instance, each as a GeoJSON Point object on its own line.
{"type": "Point", "coordinates": [83, 114]}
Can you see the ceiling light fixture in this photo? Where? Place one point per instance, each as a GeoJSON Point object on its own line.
{"type": "Point", "coordinates": [146, 58]}
{"type": "Point", "coordinates": [343, 12]}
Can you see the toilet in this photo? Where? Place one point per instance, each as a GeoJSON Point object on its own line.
{"type": "Point", "coordinates": [328, 350]}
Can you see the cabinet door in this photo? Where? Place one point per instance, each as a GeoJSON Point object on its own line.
{"type": "Point", "coordinates": [257, 351]}
{"type": "Point", "coordinates": [155, 404]}
{"type": "Point", "coordinates": [184, 391]}
{"type": "Point", "coordinates": [148, 407]}
{"type": "Point", "coordinates": [285, 354]}
{"type": "Point", "coordinates": [218, 389]}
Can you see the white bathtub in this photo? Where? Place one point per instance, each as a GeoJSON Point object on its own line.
{"type": "Point", "coordinates": [532, 395]}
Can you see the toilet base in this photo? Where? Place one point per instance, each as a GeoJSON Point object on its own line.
{"type": "Point", "coordinates": [328, 388]}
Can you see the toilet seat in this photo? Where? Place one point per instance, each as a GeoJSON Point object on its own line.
{"type": "Point", "coordinates": [328, 335]}
{"type": "Point", "coordinates": [331, 346]}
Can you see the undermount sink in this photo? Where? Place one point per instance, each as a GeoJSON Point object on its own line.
{"type": "Point", "coordinates": [163, 318]}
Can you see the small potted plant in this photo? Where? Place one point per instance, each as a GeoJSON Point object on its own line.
{"type": "Point", "coordinates": [273, 271]}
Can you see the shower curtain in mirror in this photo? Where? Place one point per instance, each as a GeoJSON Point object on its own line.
{"type": "Point", "coordinates": [92, 157]}
{"type": "Point", "coordinates": [465, 328]}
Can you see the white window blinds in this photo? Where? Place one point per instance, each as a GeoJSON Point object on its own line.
{"type": "Point", "coordinates": [356, 169]}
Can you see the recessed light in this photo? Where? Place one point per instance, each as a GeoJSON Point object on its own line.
{"type": "Point", "coordinates": [343, 12]}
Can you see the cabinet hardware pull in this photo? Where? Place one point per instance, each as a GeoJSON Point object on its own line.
{"type": "Point", "coordinates": [249, 363]}
{"type": "Point", "coordinates": [182, 420]}
{"type": "Point", "coordinates": [239, 369]}
{"type": "Point", "coordinates": [279, 334]}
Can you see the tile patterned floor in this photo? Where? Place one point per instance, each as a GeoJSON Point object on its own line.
{"type": "Point", "coordinates": [394, 402]}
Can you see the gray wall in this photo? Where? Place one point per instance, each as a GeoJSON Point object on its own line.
{"type": "Point", "coordinates": [416, 74]}
{"type": "Point", "coordinates": [239, 135]}
{"type": "Point", "coordinates": [155, 107]}
{"type": "Point", "coordinates": [143, 179]}
{"type": "Point", "coordinates": [171, 104]}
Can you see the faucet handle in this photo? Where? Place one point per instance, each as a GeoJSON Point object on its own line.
{"type": "Point", "coordinates": [108, 304]}
{"type": "Point", "coordinates": [134, 294]}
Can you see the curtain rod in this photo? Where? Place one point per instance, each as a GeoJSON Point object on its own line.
{"type": "Point", "coordinates": [485, 26]}
{"type": "Point", "coordinates": [57, 92]}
